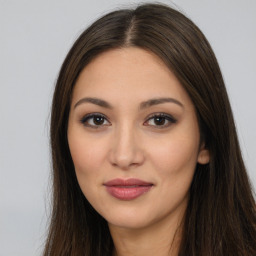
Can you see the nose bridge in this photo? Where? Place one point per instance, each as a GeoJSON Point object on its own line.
{"type": "Point", "coordinates": [125, 150]}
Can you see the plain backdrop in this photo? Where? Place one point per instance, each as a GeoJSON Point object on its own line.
{"type": "Point", "coordinates": [34, 39]}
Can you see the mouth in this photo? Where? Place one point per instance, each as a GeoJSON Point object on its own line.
{"type": "Point", "coordinates": [127, 189]}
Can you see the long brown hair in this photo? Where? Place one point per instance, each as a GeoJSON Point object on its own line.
{"type": "Point", "coordinates": [221, 215]}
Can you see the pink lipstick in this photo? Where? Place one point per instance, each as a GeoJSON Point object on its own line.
{"type": "Point", "coordinates": [127, 189]}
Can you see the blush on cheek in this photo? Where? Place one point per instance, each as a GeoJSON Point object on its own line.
{"type": "Point", "coordinates": [175, 158]}
{"type": "Point", "coordinates": [86, 159]}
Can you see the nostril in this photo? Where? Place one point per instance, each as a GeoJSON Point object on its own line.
{"type": "Point", "coordinates": [125, 151]}
{"type": "Point", "coordinates": [126, 160]}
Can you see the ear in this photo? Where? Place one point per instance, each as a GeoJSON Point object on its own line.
{"type": "Point", "coordinates": [203, 155]}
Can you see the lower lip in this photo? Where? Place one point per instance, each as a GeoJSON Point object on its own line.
{"type": "Point", "coordinates": [127, 193]}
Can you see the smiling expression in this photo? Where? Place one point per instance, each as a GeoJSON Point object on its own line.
{"type": "Point", "coordinates": [134, 138]}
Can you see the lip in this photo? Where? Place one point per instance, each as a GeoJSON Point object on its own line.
{"type": "Point", "coordinates": [128, 189]}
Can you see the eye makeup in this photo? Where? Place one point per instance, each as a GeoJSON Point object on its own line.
{"type": "Point", "coordinates": [160, 120]}
{"type": "Point", "coordinates": [156, 120]}
{"type": "Point", "coordinates": [94, 120]}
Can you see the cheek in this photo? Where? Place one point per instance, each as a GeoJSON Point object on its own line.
{"type": "Point", "coordinates": [86, 153]}
{"type": "Point", "coordinates": [175, 156]}
{"type": "Point", "coordinates": [174, 163]}
{"type": "Point", "coordinates": [87, 156]}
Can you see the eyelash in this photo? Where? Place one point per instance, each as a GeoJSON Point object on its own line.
{"type": "Point", "coordinates": [91, 116]}
{"type": "Point", "coordinates": [166, 117]}
{"type": "Point", "coordinates": [170, 119]}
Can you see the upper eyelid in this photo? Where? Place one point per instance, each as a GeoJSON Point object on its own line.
{"type": "Point", "coordinates": [95, 114]}
{"type": "Point", "coordinates": [86, 117]}
{"type": "Point", "coordinates": [162, 114]}
{"type": "Point", "coordinates": [169, 118]}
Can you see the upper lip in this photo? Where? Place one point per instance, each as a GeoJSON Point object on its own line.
{"type": "Point", "coordinates": [127, 182]}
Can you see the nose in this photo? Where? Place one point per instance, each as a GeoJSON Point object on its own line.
{"type": "Point", "coordinates": [126, 148]}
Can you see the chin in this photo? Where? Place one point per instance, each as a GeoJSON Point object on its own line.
{"type": "Point", "coordinates": [132, 223]}
{"type": "Point", "coordinates": [133, 219]}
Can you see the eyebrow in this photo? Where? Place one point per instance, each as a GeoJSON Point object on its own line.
{"type": "Point", "coordinates": [157, 101]}
{"type": "Point", "coordinates": [96, 101]}
{"type": "Point", "coordinates": [144, 104]}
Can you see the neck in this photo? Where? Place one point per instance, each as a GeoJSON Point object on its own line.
{"type": "Point", "coordinates": [162, 239]}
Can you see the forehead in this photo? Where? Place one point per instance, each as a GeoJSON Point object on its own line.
{"type": "Point", "coordinates": [128, 73]}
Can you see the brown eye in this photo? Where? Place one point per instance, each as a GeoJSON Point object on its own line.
{"type": "Point", "coordinates": [98, 120]}
{"type": "Point", "coordinates": [160, 120]}
{"type": "Point", "coordinates": [95, 120]}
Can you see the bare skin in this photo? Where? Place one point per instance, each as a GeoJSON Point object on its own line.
{"type": "Point", "coordinates": [131, 118]}
{"type": "Point", "coordinates": [160, 239]}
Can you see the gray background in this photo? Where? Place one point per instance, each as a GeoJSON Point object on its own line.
{"type": "Point", "coordinates": [35, 37]}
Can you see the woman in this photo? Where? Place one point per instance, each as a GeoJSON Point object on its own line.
{"type": "Point", "coordinates": [146, 159]}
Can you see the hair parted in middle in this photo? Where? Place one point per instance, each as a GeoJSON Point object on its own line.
{"type": "Point", "coordinates": [221, 203]}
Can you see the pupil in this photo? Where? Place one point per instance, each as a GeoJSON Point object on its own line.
{"type": "Point", "coordinates": [98, 120]}
{"type": "Point", "coordinates": [159, 120]}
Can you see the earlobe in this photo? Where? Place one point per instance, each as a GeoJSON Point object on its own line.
{"type": "Point", "coordinates": [203, 156]}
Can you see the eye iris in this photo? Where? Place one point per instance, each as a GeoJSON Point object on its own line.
{"type": "Point", "coordinates": [98, 120]}
{"type": "Point", "coordinates": [159, 120]}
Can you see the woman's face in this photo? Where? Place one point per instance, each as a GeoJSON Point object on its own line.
{"type": "Point", "coordinates": [134, 138]}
